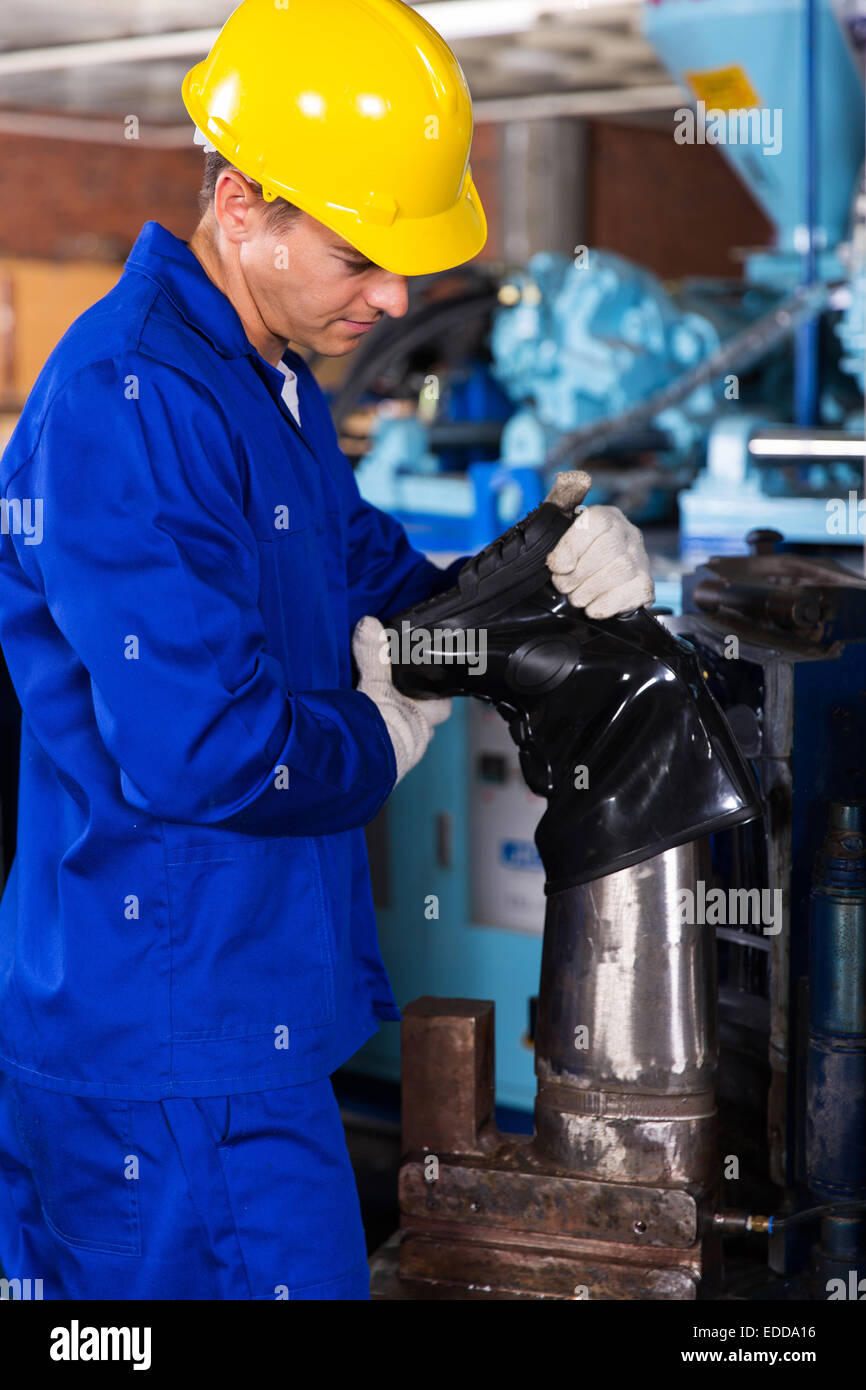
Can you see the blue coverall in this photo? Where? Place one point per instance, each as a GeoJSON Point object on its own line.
{"type": "Point", "coordinates": [187, 938]}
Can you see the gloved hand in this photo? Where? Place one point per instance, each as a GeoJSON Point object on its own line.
{"type": "Point", "coordinates": [410, 722]}
{"type": "Point", "coordinates": [600, 562]}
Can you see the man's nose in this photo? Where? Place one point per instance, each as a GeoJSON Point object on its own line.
{"type": "Point", "coordinates": [390, 294]}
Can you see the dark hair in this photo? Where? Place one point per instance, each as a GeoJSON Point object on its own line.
{"type": "Point", "coordinates": [279, 212]}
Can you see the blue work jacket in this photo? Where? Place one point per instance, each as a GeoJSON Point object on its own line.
{"type": "Point", "coordinates": [189, 911]}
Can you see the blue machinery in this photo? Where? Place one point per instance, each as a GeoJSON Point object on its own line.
{"type": "Point", "coordinates": [591, 356]}
{"type": "Point", "coordinates": [791, 59]}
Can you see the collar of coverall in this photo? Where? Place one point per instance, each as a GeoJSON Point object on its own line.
{"type": "Point", "coordinates": [169, 263]}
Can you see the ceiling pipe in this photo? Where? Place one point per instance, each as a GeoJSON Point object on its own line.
{"type": "Point", "coordinates": [453, 19]}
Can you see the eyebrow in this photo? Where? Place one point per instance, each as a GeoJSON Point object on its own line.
{"type": "Point", "coordinates": [352, 253]}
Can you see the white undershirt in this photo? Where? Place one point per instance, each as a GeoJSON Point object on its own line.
{"type": "Point", "coordinates": [289, 392]}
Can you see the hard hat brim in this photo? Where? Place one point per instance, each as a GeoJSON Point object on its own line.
{"type": "Point", "coordinates": [412, 246]}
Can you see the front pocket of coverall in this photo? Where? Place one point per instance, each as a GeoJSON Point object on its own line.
{"type": "Point", "coordinates": [82, 1159]}
{"type": "Point", "coordinates": [251, 947]}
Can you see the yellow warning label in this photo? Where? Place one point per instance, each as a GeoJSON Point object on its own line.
{"type": "Point", "coordinates": [726, 89]}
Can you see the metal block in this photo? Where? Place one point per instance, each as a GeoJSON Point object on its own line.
{"type": "Point", "coordinates": [448, 1077]}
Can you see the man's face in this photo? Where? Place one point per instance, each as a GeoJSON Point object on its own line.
{"type": "Point", "coordinates": [313, 288]}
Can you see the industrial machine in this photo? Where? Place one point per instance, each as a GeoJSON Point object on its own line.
{"type": "Point", "coordinates": [618, 1191]}
{"type": "Point", "coordinates": [783, 641]}
{"type": "Point", "coordinates": [571, 341]}
{"type": "Point", "coordinates": [779, 89]}
{"type": "Point", "coordinates": [735, 406]}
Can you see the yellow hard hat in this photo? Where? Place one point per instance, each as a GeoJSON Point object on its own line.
{"type": "Point", "coordinates": [357, 112]}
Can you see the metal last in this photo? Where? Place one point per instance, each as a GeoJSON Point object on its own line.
{"type": "Point", "coordinates": [614, 1195]}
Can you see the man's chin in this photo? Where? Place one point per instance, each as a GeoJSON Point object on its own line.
{"type": "Point", "coordinates": [336, 341]}
{"type": "Point", "coordinates": [339, 342]}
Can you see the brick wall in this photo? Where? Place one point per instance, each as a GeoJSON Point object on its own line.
{"type": "Point", "coordinates": [67, 200]}
{"type": "Point", "coordinates": [677, 209]}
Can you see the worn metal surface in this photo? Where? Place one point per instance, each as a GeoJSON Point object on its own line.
{"type": "Point", "coordinates": [448, 1086]}
{"type": "Point", "coordinates": [627, 996]}
{"type": "Point", "coordinates": [612, 1197]}
{"type": "Point", "coordinates": [630, 1150]}
{"type": "Point", "coordinates": [626, 1045]}
{"type": "Point", "coordinates": [561, 1268]}
{"type": "Point", "coordinates": [492, 1216]}
{"type": "Point", "coordinates": [509, 1191]}
{"type": "Point", "coordinates": [451, 1271]}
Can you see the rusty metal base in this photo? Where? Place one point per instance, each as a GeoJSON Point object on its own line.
{"type": "Point", "coordinates": [485, 1215]}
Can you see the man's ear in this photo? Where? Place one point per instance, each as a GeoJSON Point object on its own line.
{"type": "Point", "coordinates": [236, 204]}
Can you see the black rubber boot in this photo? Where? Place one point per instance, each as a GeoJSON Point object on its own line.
{"type": "Point", "coordinates": [615, 725]}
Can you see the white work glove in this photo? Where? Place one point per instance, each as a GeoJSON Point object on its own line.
{"type": "Point", "coordinates": [600, 561]}
{"type": "Point", "coordinates": [410, 723]}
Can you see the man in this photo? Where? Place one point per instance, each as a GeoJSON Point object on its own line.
{"type": "Point", "coordinates": [187, 937]}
